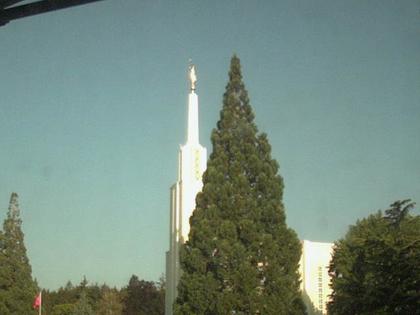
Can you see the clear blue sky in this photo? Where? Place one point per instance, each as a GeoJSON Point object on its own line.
{"type": "Point", "coordinates": [93, 109]}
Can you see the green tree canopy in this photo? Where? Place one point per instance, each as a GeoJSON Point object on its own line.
{"type": "Point", "coordinates": [110, 303]}
{"type": "Point", "coordinates": [82, 307]}
{"type": "Point", "coordinates": [241, 258]}
{"type": "Point", "coordinates": [142, 298]}
{"type": "Point", "coordinates": [17, 288]}
{"type": "Point", "coordinates": [63, 309]}
{"type": "Point", "coordinates": [375, 269]}
{"type": "Point", "coordinates": [138, 298]}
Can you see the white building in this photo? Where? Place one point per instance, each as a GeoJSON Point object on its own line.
{"type": "Point", "coordinates": [313, 269]}
{"type": "Point", "coordinates": [191, 166]}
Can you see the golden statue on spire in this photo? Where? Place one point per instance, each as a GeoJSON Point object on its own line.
{"type": "Point", "coordinates": [193, 77]}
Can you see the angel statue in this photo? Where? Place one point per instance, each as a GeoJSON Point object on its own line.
{"type": "Point", "coordinates": [193, 77]}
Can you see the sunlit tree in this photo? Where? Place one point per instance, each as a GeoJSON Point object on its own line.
{"type": "Point", "coordinates": [240, 258]}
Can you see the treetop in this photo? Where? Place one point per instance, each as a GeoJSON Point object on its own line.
{"type": "Point", "coordinates": [14, 206]}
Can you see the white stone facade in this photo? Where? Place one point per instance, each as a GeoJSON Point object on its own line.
{"type": "Point", "coordinates": [314, 262]}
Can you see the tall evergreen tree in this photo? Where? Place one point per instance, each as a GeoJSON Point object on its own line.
{"type": "Point", "coordinates": [241, 258]}
{"type": "Point", "coordinates": [17, 288]}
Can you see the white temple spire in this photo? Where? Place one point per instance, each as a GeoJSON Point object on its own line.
{"type": "Point", "coordinates": [192, 164]}
{"type": "Point", "coordinates": [192, 131]}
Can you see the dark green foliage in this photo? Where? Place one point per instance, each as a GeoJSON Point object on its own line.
{"type": "Point", "coordinates": [82, 307]}
{"type": "Point", "coordinates": [375, 269]}
{"type": "Point", "coordinates": [61, 298]}
{"type": "Point", "coordinates": [66, 298]}
{"type": "Point", "coordinates": [143, 298]}
{"type": "Point", "coordinates": [398, 212]}
{"type": "Point", "coordinates": [240, 258]}
{"type": "Point", "coordinates": [62, 309]}
{"type": "Point", "coordinates": [139, 297]}
{"type": "Point", "coordinates": [75, 300]}
{"type": "Point", "coordinates": [17, 288]}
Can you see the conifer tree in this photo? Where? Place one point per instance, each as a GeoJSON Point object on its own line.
{"type": "Point", "coordinates": [241, 258]}
{"type": "Point", "coordinates": [142, 298]}
{"type": "Point", "coordinates": [17, 288]}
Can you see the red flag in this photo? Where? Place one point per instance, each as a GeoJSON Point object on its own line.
{"type": "Point", "coordinates": [38, 300]}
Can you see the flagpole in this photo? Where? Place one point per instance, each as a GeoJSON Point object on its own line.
{"type": "Point", "coordinates": [40, 306]}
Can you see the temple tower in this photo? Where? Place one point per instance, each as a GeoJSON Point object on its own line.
{"type": "Point", "coordinates": [191, 166]}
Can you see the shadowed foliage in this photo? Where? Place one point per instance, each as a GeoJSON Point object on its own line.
{"type": "Point", "coordinates": [17, 288]}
